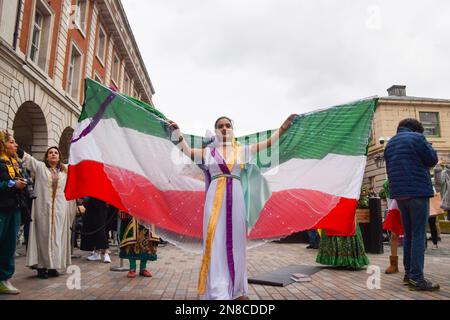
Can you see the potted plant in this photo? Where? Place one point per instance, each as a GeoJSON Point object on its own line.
{"type": "Point", "coordinates": [382, 194]}
{"type": "Point", "coordinates": [362, 212]}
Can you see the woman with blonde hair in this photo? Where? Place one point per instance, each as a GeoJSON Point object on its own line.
{"type": "Point", "coordinates": [11, 193]}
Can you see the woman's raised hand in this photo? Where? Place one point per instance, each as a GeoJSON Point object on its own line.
{"type": "Point", "coordinates": [288, 123]}
{"type": "Point", "coordinates": [175, 129]}
{"type": "Point", "coordinates": [173, 124]}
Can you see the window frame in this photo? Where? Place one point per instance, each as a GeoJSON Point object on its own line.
{"type": "Point", "coordinates": [98, 78]}
{"type": "Point", "coordinates": [126, 84]}
{"type": "Point", "coordinates": [69, 83]}
{"type": "Point", "coordinates": [438, 123]}
{"type": "Point", "coordinates": [34, 27]}
{"type": "Point", "coordinates": [101, 30]}
{"type": "Point", "coordinates": [48, 20]}
{"type": "Point", "coordinates": [115, 81]}
{"type": "Point", "coordinates": [82, 25]}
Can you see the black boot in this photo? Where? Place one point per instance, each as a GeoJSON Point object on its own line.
{"type": "Point", "coordinates": [52, 273]}
{"type": "Point", "coordinates": [42, 274]}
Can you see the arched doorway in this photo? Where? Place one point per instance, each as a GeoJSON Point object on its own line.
{"type": "Point", "coordinates": [64, 144]}
{"type": "Point", "coordinates": [30, 129]}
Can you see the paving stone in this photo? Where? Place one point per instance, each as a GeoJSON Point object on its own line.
{"type": "Point", "coordinates": [175, 276]}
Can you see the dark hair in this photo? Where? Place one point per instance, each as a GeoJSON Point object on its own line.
{"type": "Point", "coordinates": [412, 124]}
{"type": "Point", "coordinates": [61, 166]}
{"type": "Point", "coordinates": [222, 118]}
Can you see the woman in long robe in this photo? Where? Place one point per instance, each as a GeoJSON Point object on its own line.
{"type": "Point", "coordinates": [52, 215]}
{"type": "Point", "coordinates": [223, 274]}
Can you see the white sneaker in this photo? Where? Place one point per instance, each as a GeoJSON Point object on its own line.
{"type": "Point", "coordinates": [435, 247]}
{"type": "Point", "coordinates": [7, 288]}
{"type": "Point", "coordinates": [94, 257]}
{"type": "Point", "coordinates": [106, 258]}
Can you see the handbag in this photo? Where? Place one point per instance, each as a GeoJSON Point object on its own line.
{"type": "Point", "coordinates": [435, 206]}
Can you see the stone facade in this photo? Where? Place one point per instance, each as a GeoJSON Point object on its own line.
{"type": "Point", "coordinates": [390, 111]}
{"type": "Point", "coordinates": [35, 103]}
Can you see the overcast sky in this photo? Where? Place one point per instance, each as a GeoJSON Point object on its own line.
{"type": "Point", "coordinates": [258, 61]}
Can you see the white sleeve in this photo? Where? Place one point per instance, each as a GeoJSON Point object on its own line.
{"type": "Point", "coordinates": [30, 163]}
{"type": "Point", "coordinates": [248, 156]}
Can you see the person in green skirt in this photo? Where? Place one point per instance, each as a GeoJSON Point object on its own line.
{"type": "Point", "coordinates": [138, 243]}
{"type": "Point", "coordinates": [344, 252]}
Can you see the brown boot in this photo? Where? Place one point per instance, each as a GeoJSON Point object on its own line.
{"type": "Point", "coordinates": [393, 268]}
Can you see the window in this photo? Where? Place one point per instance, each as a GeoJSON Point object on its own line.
{"type": "Point", "coordinates": [36, 37]}
{"type": "Point", "coordinates": [98, 79]}
{"type": "Point", "coordinates": [80, 14]}
{"type": "Point", "coordinates": [430, 121]}
{"type": "Point", "coordinates": [74, 73]}
{"type": "Point", "coordinates": [126, 84]}
{"type": "Point", "coordinates": [115, 69]}
{"type": "Point", "coordinates": [101, 44]}
{"type": "Point", "coordinates": [39, 47]}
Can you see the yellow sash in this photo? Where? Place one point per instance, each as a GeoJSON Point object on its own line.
{"type": "Point", "coordinates": [212, 224]}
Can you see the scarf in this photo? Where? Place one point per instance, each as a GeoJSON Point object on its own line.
{"type": "Point", "coordinates": [12, 165]}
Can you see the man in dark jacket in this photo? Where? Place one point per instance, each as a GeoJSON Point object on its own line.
{"type": "Point", "coordinates": [409, 157]}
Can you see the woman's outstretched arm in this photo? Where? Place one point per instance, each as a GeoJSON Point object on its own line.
{"type": "Point", "coordinates": [29, 162]}
{"type": "Point", "coordinates": [257, 147]}
{"type": "Point", "coordinates": [192, 153]}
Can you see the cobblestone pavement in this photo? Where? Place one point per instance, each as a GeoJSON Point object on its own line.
{"type": "Point", "coordinates": [175, 276]}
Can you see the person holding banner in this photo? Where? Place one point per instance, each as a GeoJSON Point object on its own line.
{"type": "Point", "coordinates": [52, 215]}
{"type": "Point", "coordinates": [223, 274]}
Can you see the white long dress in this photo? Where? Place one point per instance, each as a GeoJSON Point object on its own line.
{"type": "Point", "coordinates": [49, 239]}
{"type": "Point", "coordinates": [219, 284]}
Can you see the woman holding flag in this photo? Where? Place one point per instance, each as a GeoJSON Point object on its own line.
{"type": "Point", "coordinates": [223, 274]}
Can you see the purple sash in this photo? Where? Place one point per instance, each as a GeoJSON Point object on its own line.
{"type": "Point", "coordinates": [229, 199]}
{"type": "Point", "coordinates": [97, 117]}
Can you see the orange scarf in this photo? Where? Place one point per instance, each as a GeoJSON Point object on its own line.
{"type": "Point", "coordinates": [12, 165]}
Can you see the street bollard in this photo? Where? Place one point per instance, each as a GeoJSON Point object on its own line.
{"type": "Point", "coordinates": [121, 267]}
{"type": "Point", "coordinates": [375, 227]}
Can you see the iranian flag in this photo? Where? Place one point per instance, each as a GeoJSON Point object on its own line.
{"type": "Point", "coordinates": [122, 153]}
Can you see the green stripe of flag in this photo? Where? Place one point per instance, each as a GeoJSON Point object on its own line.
{"type": "Point", "coordinates": [127, 111]}
{"type": "Point", "coordinates": [342, 130]}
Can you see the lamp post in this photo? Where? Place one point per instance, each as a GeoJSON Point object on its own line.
{"type": "Point", "coordinates": [379, 161]}
{"type": "Point", "coordinates": [379, 158]}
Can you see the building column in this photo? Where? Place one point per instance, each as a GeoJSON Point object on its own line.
{"type": "Point", "coordinates": [61, 47]}
{"type": "Point", "coordinates": [108, 62]}
{"type": "Point", "coordinates": [92, 40]}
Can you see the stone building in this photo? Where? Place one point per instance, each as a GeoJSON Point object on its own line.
{"type": "Point", "coordinates": [47, 48]}
{"type": "Point", "coordinates": [435, 117]}
{"type": "Point", "coordinates": [433, 113]}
